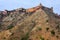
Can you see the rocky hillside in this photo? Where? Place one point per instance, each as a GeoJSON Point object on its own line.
{"type": "Point", "coordinates": [37, 23]}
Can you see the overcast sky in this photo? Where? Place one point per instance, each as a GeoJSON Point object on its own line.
{"type": "Point", "coordinates": [13, 4]}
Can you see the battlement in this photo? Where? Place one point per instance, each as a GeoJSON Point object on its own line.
{"type": "Point", "coordinates": [40, 6]}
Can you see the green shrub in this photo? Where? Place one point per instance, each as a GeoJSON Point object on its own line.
{"type": "Point", "coordinates": [53, 32]}
{"type": "Point", "coordinates": [10, 26]}
{"type": "Point", "coordinates": [25, 37]}
{"type": "Point", "coordinates": [46, 20]}
{"type": "Point", "coordinates": [47, 28]}
{"type": "Point", "coordinates": [41, 38]}
{"type": "Point", "coordinates": [39, 28]}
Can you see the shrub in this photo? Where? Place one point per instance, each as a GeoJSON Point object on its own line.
{"type": "Point", "coordinates": [39, 28]}
{"type": "Point", "coordinates": [25, 37]}
{"type": "Point", "coordinates": [46, 20]}
{"type": "Point", "coordinates": [53, 32]}
{"type": "Point", "coordinates": [10, 26]}
{"type": "Point", "coordinates": [57, 27]}
{"type": "Point", "coordinates": [57, 36]}
{"type": "Point", "coordinates": [47, 29]}
{"type": "Point", "coordinates": [41, 38]}
{"type": "Point", "coordinates": [47, 39]}
{"type": "Point", "coordinates": [4, 38]}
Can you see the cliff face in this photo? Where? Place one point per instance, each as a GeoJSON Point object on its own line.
{"type": "Point", "coordinates": [37, 23]}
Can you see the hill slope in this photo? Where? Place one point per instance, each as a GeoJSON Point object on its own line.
{"type": "Point", "coordinates": [37, 23]}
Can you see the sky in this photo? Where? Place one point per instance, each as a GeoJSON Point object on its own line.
{"type": "Point", "coordinates": [14, 4]}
